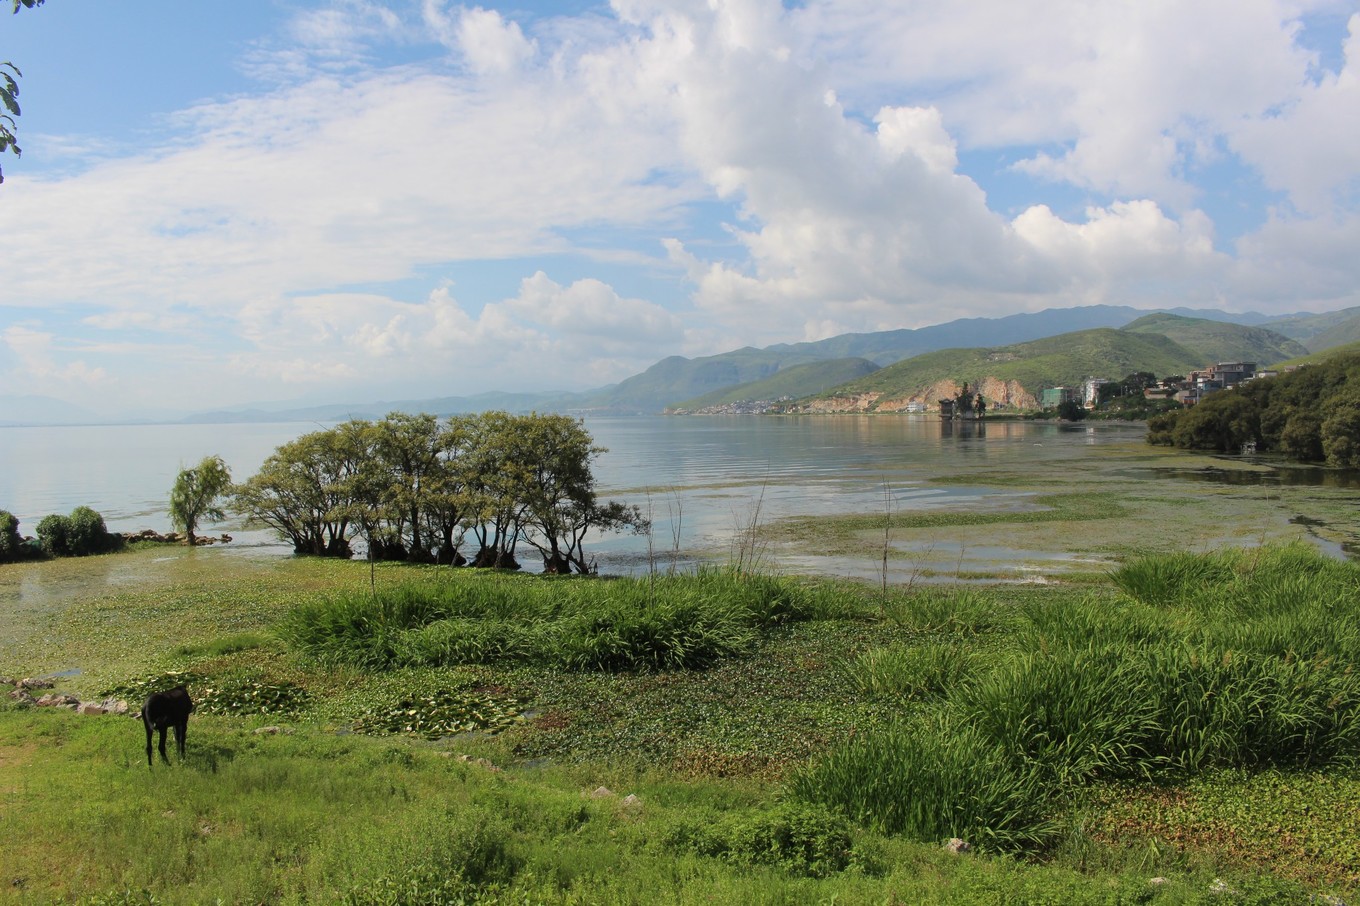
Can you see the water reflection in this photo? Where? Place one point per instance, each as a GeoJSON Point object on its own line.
{"type": "Point", "coordinates": [1274, 474]}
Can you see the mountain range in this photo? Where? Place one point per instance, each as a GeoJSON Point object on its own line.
{"type": "Point", "coordinates": [1032, 350]}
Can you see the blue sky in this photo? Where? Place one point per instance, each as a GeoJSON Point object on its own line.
{"type": "Point", "coordinates": [222, 203]}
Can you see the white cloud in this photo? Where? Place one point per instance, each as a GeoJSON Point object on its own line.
{"type": "Point", "coordinates": [835, 136]}
{"type": "Point", "coordinates": [490, 44]}
{"type": "Point", "coordinates": [36, 367]}
{"type": "Point", "coordinates": [1308, 147]}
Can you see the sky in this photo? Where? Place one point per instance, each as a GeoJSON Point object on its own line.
{"type": "Point", "coordinates": [225, 203]}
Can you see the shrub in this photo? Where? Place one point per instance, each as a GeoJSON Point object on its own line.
{"type": "Point", "coordinates": [12, 546]}
{"type": "Point", "coordinates": [78, 535]}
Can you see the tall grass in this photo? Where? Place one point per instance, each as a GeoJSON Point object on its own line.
{"type": "Point", "coordinates": [656, 623]}
{"type": "Point", "coordinates": [1213, 660]}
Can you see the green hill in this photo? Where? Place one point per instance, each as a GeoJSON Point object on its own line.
{"type": "Point", "coordinates": [795, 382]}
{"type": "Point", "coordinates": [1066, 359]}
{"type": "Point", "coordinates": [1323, 331]}
{"type": "Point", "coordinates": [678, 378]}
{"type": "Point", "coordinates": [1163, 344]}
{"type": "Point", "coordinates": [1219, 341]}
{"type": "Point", "coordinates": [1322, 355]}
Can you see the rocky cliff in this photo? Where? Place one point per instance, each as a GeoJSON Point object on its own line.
{"type": "Point", "coordinates": [997, 393]}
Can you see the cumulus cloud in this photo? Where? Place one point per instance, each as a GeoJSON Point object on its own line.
{"type": "Point", "coordinates": [812, 170]}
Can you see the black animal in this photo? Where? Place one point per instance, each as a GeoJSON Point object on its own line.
{"type": "Point", "coordinates": [164, 710]}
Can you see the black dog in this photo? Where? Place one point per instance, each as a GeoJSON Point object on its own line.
{"type": "Point", "coordinates": [164, 710]}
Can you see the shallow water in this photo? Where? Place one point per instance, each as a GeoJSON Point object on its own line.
{"type": "Point", "coordinates": [702, 481]}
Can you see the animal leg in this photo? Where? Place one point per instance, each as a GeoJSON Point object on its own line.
{"type": "Point", "coordinates": [165, 758]}
{"type": "Point", "coordinates": [181, 730]}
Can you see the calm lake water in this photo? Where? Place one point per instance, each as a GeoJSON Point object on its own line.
{"type": "Point", "coordinates": [701, 479]}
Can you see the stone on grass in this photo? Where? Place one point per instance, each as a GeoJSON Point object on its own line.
{"type": "Point", "coordinates": [601, 792]}
{"type": "Point", "coordinates": [958, 846]}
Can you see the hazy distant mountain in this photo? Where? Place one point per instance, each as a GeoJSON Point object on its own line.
{"type": "Point", "coordinates": [677, 379]}
{"type": "Point", "coordinates": [1322, 331]}
{"type": "Point", "coordinates": [44, 410]}
{"type": "Point", "coordinates": [886, 347]}
{"type": "Point", "coordinates": [674, 379]}
{"type": "Point", "coordinates": [446, 405]}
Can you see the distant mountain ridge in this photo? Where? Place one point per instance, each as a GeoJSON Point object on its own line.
{"type": "Point", "coordinates": [1015, 374]}
{"type": "Point", "coordinates": [676, 380]}
{"type": "Point", "coordinates": [679, 380]}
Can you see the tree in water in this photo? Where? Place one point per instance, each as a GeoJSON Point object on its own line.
{"type": "Point", "coordinates": [194, 496]}
{"type": "Point", "coordinates": [964, 401]}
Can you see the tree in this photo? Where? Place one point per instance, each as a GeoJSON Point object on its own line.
{"type": "Point", "coordinates": [408, 449]}
{"type": "Point", "coordinates": [9, 96]}
{"type": "Point", "coordinates": [964, 401]}
{"type": "Point", "coordinates": [561, 506]}
{"type": "Point", "coordinates": [310, 489]}
{"type": "Point", "coordinates": [194, 496]}
{"type": "Point", "coordinates": [1071, 410]}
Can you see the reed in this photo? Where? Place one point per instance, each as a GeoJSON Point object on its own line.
{"type": "Point", "coordinates": [1209, 661]}
{"type": "Point", "coordinates": [656, 623]}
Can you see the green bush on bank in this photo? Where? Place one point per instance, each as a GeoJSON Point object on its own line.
{"type": "Point", "coordinates": [80, 534]}
{"type": "Point", "coordinates": [1231, 659]}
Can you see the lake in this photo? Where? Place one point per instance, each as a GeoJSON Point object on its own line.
{"type": "Point", "coordinates": [702, 480]}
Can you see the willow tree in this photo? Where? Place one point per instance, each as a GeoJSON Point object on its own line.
{"type": "Point", "coordinates": [195, 494]}
{"type": "Point", "coordinates": [558, 491]}
{"type": "Point", "coordinates": [314, 490]}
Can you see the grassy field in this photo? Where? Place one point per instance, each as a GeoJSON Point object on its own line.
{"type": "Point", "coordinates": [717, 738]}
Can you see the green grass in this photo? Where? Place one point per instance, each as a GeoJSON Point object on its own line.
{"type": "Point", "coordinates": [1230, 660]}
{"type": "Point", "coordinates": [1195, 725]}
{"type": "Point", "coordinates": [663, 623]}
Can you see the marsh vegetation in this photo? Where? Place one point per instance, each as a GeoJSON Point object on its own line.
{"type": "Point", "coordinates": [1175, 700]}
{"type": "Point", "coordinates": [786, 739]}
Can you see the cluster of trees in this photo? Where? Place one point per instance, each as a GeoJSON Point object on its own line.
{"type": "Point", "coordinates": [78, 535]}
{"type": "Point", "coordinates": [1308, 415]}
{"type": "Point", "coordinates": [414, 488]}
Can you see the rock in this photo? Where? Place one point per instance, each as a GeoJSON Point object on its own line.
{"type": "Point", "coordinates": [601, 792]}
{"type": "Point", "coordinates": [57, 700]}
{"type": "Point", "coordinates": [632, 801]}
{"type": "Point", "coordinates": [273, 731]}
{"type": "Point", "coordinates": [90, 708]}
{"type": "Point", "coordinates": [1219, 887]}
{"type": "Point", "coordinates": [958, 846]}
{"type": "Point", "coordinates": [114, 706]}
{"type": "Point", "coordinates": [1158, 881]}
{"type": "Point", "coordinates": [35, 683]}
{"type": "Point", "coordinates": [8, 681]}
{"type": "Point", "coordinates": [21, 696]}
